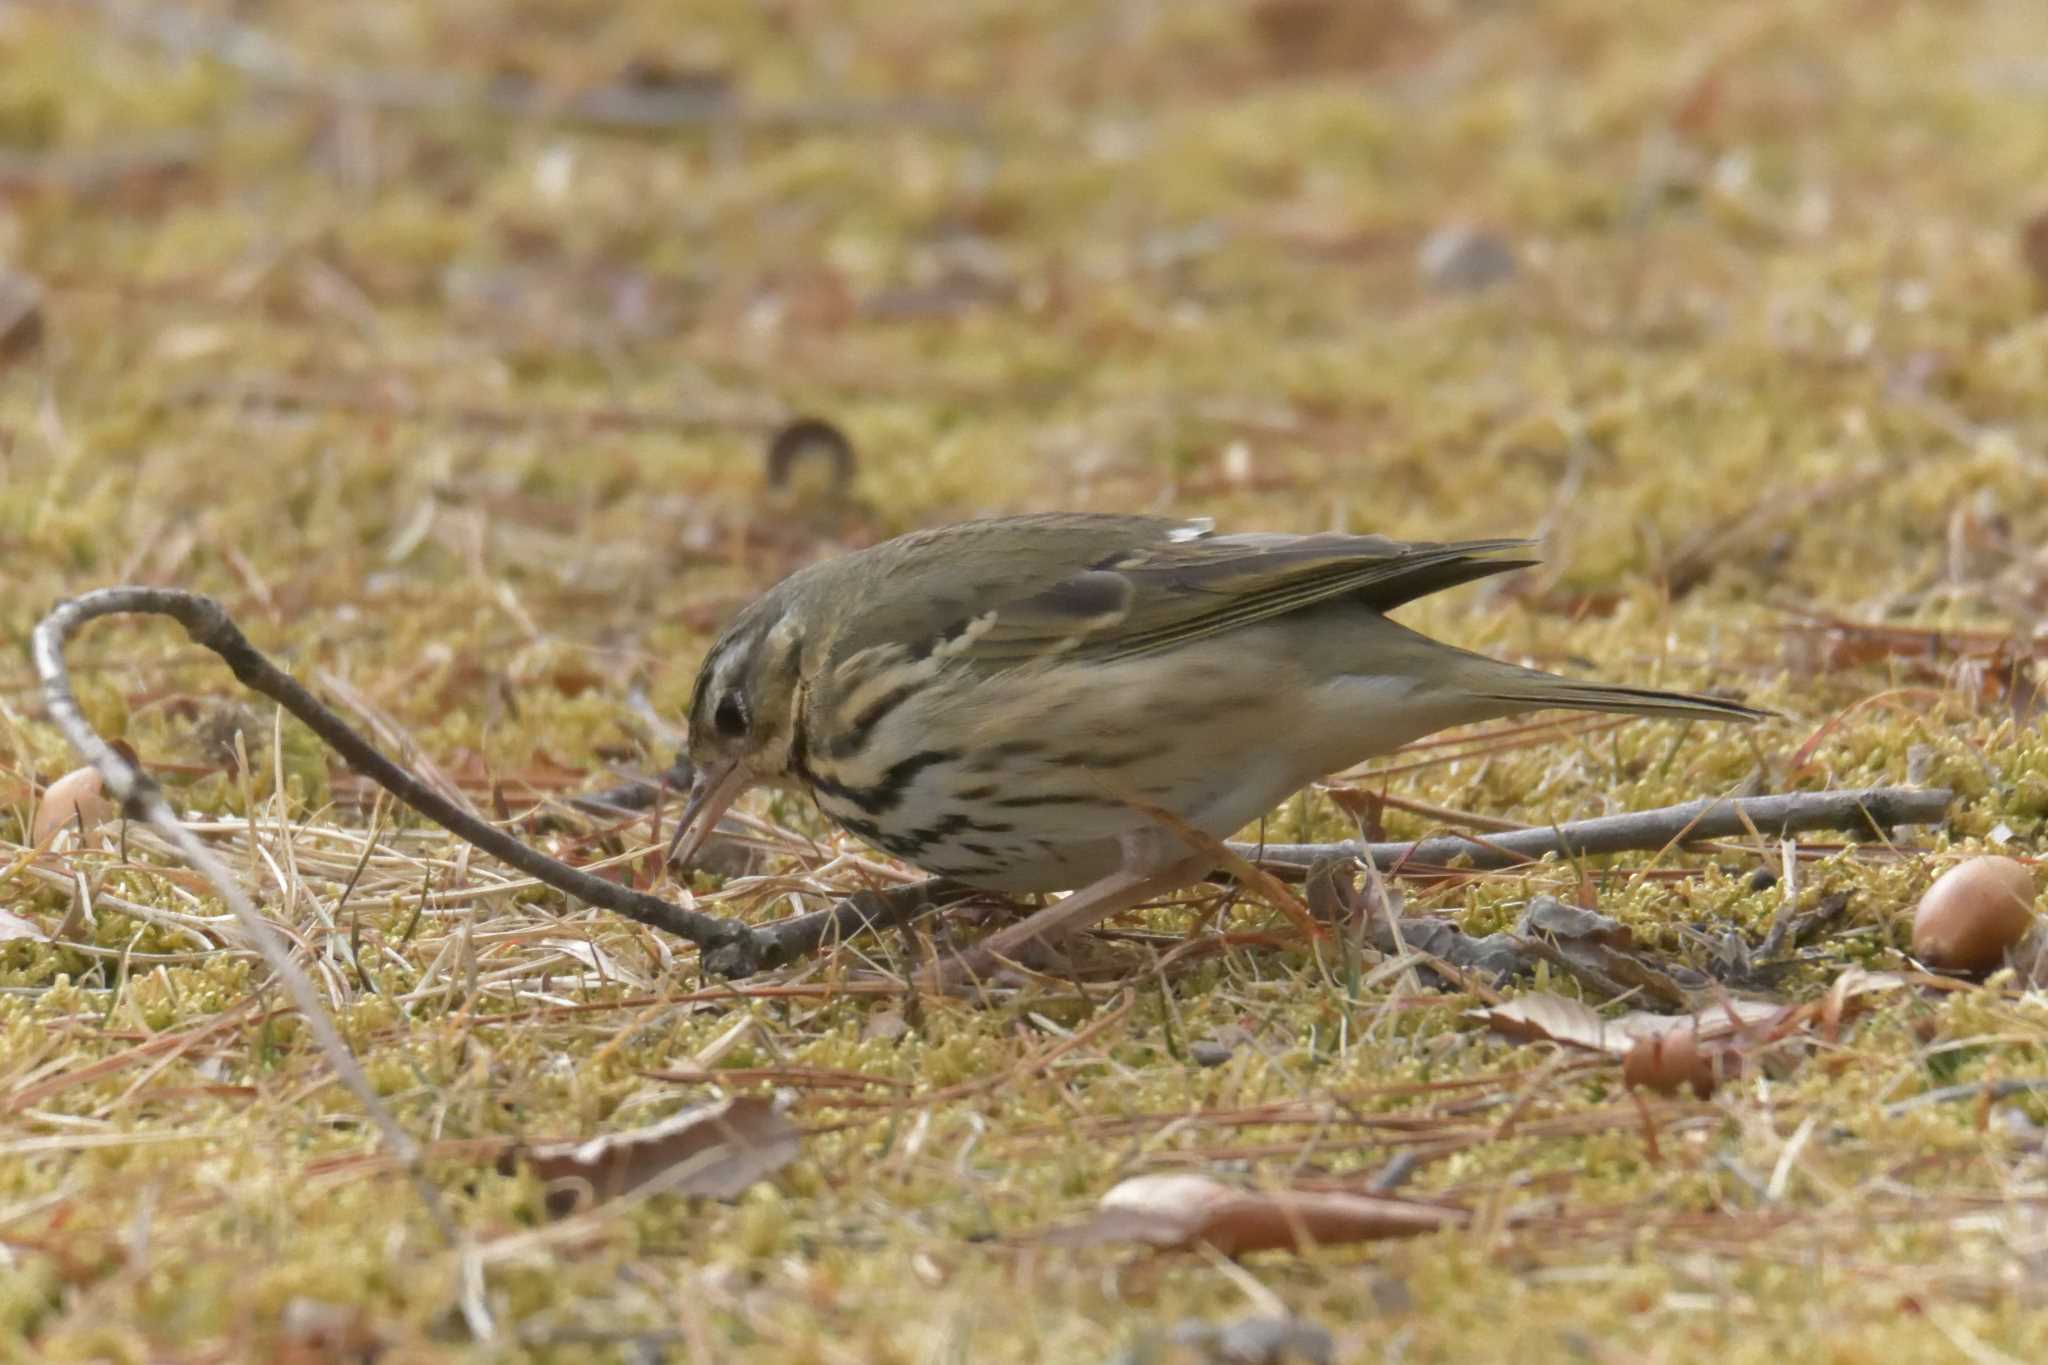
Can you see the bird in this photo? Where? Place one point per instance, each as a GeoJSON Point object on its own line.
{"type": "Point", "coordinates": [1053, 701]}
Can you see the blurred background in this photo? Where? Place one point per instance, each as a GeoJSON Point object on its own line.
{"type": "Point", "coordinates": [477, 298]}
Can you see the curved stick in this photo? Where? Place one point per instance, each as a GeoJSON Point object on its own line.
{"type": "Point", "coordinates": [141, 799]}
{"type": "Point", "coordinates": [207, 622]}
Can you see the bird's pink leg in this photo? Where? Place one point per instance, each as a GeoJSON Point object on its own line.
{"type": "Point", "coordinates": [1077, 910]}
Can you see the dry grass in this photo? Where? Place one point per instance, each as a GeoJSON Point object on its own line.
{"type": "Point", "coordinates": [457, 399]}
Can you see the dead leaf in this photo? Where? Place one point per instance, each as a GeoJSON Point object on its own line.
{"type": "Point", "coordinates": [714, 1151]}
{"type": "Point", "coordinates": [315, 1332]}
{"type": "Point", "coordinates": [810, 441]}
{"type": "Point", "coordinates": [73, 800]}
{"type": "Point", "coordinates": [1854, 982]}
{"type": "Point", "coordinates": [1592, 947]}
{"type": "Point", "coordinates": [1330, 35]}
{"type": "Point", "coordinates": [1176, 1211]}
{"type": "Point", "coordinates": [1541, 1017]}
{"type": "Point", "coordinates": [1549, 916]}
{"type": "Point", "coordinates": [1462, 258]}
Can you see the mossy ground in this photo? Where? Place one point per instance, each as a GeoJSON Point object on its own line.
{"type": "Point", "coordinates": [460, 410]}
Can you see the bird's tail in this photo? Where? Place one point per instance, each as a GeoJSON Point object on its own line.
{"type": "Point", "coordinates": [1526, 689]}
{"type": "Point", "coordinates": [1478, 688]}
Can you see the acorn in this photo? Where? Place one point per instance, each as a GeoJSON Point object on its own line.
{"type": "Point", "coordinates": [1973, 915]}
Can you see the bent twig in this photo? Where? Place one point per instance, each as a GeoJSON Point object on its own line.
{"type": "Point", "coordinates": [141, 799]}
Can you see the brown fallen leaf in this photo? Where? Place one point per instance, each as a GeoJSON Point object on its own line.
{"type": "Point", "coordinates": [73, 800]}
{"type": "Point", "coordinates": [1176, 1211]}
{"type": "Point", "coordinates": [1594, 948]}
{"type": "Point", "coordinates": [1462, 258]}
{"type": "Point", "coordinates": [713, 1150]}
{"type": "Point", "coordinates": [884, 1026]}
{"type": "Point", "coordinates": [1329, 35]}
{"type": "Point", "coordinates": [810, 440]}
{"type": "Point", "coordinates": [1539, 1016]}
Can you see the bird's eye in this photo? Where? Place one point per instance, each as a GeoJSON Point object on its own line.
{"type": "Point", "coordinates": [731, 716]}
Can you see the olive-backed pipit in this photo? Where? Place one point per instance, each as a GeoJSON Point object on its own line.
{"type": "Point", "coordinates": [1009, 702]}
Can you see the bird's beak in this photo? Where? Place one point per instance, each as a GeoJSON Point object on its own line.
{"type": "Point", "coordinates": [713, 790]}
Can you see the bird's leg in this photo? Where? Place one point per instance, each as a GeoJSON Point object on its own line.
{"type": "Point", "coordinates": [1145, 874]}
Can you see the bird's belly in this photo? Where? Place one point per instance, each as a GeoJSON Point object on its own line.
{"type": "Point", "coordinates": [1052, 834]}
{"type": "Point", "coordinates": [1017, 842]}
{"type": "Point", "coordinates": [1051, 776]}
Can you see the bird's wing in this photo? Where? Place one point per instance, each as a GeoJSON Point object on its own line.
{"type": "Point", "coordinates": [1160, 593]}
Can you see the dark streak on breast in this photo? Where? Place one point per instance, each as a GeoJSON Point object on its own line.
{"type": "Point", "coordinates": [856, 736]}
{"type": "Point", "coordinates": [1052, 799]}
{"type": "Point", "coordinates": [886, 794]}
{"type": "Point", "coordinates": [1106, 759]}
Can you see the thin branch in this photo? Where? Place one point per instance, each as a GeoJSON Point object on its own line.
{"type": "Point", "coordinates": [786, 940]}
{"type": "Point", "coordinates": [142, 799]}
{"type": "Point", "coordinates": [207, 622]}
{"type": "Point", "coordinates": [1871, 810]}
